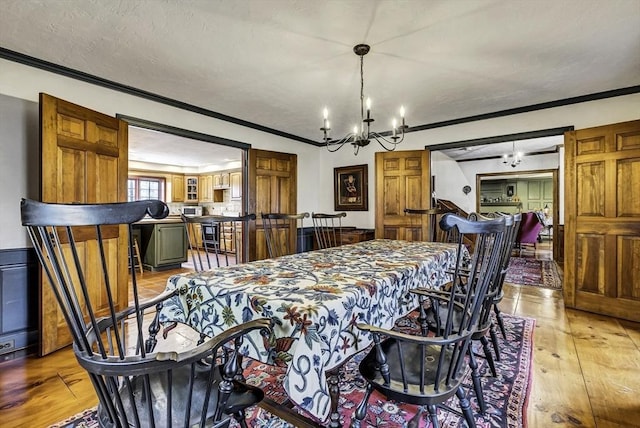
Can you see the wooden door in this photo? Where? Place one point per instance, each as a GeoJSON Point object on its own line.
{"type": "Point", "coordinates": [402, 181]}
{"type": "Point", "coordinates": [272, 187]}
{"type": "Point", "coordinates": [84, 160]}
{"type": "Point", "coordinates": [602, 220]}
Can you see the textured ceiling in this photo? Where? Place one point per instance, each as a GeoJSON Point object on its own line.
{"type": "Point", "coordinates": [277, 63]}
{"type": "Point", "coordinates": [532, 146]}
{"type": "Point", "coordinates": [149, 146]}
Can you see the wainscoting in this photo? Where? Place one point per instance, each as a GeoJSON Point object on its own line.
{"type": "Point", "coordinates": [18, 303]}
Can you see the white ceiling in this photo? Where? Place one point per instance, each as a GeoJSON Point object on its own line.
{"type": "Point", "coordinates": [153, 147]}
{"type": "Point", "coordinates": [277, 63]}
{"type": "Point", "coordinates": [528, 147]}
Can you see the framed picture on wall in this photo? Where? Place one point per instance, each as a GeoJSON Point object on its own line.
{"type": "Point", "coordinates": [351, 188]}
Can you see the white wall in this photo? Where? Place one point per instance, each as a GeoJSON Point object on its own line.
{"type": "Point", "coordinates": [19, 166]}
{"type": "Point", "coordinates": [315, 165]}
{"type": "Point", "coordinates": [450, 179]}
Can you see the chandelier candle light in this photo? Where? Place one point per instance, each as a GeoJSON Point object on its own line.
{"type": "Point", "coordinates": [361, 137]}
{"type": "Point", "coordinates": [516, 157]}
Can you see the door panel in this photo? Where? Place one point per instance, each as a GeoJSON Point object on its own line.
{"type": "Point", "coordinates": [628, 176]}
{"type": "Point", "coordinates": [84, 160]}
{"type": "Point", "coordinates": [402, 181]}
{"type": "Point", "coordinates": [602, 213]}
{"type": "Point", "coordinates": [272, 188]}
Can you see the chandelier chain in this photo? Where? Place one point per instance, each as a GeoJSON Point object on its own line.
{"type": "Point", "coordinates": [362, 88]}
{"type": "Point", "coordinates": [361, 137]}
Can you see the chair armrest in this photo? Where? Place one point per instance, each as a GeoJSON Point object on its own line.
{"type": "Point", "coordinates": [137, 365]}
{"type": "Point", "coordinates": [218, 340]}
{"type": "Point", "coordinates": [423, 340]}
{"type": "Point", "coordinates": [435, 294]}
{"type": "Point", "coordinates": [165, 295]}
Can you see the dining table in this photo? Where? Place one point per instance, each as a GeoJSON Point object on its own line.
{"type": "Point", "coordinates": [314, 299]}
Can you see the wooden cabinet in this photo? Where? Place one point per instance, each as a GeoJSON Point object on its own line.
{"type": "Point", "coordinates": [205, 193]}
{"type": "Point", "coordinates": [221, 181]}
{"type": "Point", "coordinates": [196, 239]}
{"type": "Point", "coordinates": [353, 235]}
{"type": "Point", "coordinates": [177, 188]}
{"type": "Point", "coordinates": [235, 184]}
{"type": "Point", "coordinates": [191, 192]}
{"type": "Point", "coordinates": [164, 245]}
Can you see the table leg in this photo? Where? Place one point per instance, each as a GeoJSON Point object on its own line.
{"type": "Point", "coordinates": [333, 379]}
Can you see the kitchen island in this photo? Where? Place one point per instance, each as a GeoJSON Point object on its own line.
{"type": "Point", "coordinates": [163, 243]}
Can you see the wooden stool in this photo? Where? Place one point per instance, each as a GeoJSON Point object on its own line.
{"type": "Point", "coordinates": [136, 260]}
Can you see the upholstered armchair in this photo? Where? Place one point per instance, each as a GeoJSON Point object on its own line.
{"type": "Point", "coordinates": [530, 228]}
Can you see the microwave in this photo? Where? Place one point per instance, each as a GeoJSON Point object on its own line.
{"type": "Point", "coordinates": [192, 211]}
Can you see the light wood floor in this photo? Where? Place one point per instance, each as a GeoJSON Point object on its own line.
{"type": "Point", "coordinates": [586, 370]}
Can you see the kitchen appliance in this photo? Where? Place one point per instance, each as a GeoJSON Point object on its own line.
{"type": "Point", "coordinates": [191, 211]}
{"type": "Point", "coordinates": [210, 236]}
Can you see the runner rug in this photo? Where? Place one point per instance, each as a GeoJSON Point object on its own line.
{"type": "Point", "coordinates": [530, 271]}
{"type": "Point", "coordinates": [506, 395]}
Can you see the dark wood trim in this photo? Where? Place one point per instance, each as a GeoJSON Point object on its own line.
{"type": "Point", "coordinates": [533, 107]}
{"type": "Point", "coordinates": [17, 256]}
{"type": "Point", "coordinates": [95, 80]}
{"type": "Point", "coordinates": [550, 132]}
{"type": "Point", "coordinates": [524, 154]}
{"type": "Point", "coordinates": [142, 123]}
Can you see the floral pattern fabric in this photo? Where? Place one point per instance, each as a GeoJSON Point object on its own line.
{"type": "Point", "coordinates": [314, 299]}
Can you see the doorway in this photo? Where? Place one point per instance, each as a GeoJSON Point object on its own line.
{"type": "Point", "coordinates": [522, 191]}
{"type": "Point", "coordinates": [458, 167]}
{"type": "Point", "coordinates": [204, 164]}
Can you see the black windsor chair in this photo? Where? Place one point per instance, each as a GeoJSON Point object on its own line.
{"type": "Point", "coordinates": [327, 229]}
{"type": "Point", "coordinates": [280, 232]}
{"type": "Point", "coordinates": [424, 370]}
{"type": "Point", "coordinates": [213, 239]}
{"type": "Point", "coordinates": [434, 317]}
{"type": "Point", "coordinates": [428, 219]}
{"type": "Point", "coordinates": [83, 250]}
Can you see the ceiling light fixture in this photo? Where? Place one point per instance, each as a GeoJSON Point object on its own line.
{"type": "Point", "coordinates": [514, 158]}
{"type": "Point", "coordinates": [362, 136]}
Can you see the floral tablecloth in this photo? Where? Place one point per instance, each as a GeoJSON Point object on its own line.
{"type": "Point", "coordinates": [315, 300]}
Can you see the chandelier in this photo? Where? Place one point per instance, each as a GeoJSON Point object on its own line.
{"type": "Point", "coordinates": [362, 136]}
{"type": "Point", "coordinates": [514, 158]}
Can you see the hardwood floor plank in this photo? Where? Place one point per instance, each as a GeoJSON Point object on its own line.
{"type": "Point", "coordinates": [558, 393]}
{"type": "Point", "coordinates": [611, 363]}
{"type": "Point", "coordinates": [37, 392]}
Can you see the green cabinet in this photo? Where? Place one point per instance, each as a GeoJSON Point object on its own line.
{"type": "Point", "coordinates": [164, 245]}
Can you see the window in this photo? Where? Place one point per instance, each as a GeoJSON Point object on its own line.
{"type": "Point", "coordinates": [140, 188]}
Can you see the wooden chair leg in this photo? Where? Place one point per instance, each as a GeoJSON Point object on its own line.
{"type": "Point", "coordinates": [494, 340]}
{"type": "Point", "coordinates": [136, 249]}
{"type": "Point", "coordinates": [465, 406]}
{"type": "Point", "coordinates": [477, 384]}
{"type": "Point", "coordinates": [487, 353]}
{"type": "Point", "coordinates": [496, 310]}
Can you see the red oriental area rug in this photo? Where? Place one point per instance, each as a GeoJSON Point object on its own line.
{"type": "Point", "coordinates": [530, 271]}
{"type": "Point", "coordinates": [506, 394]}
